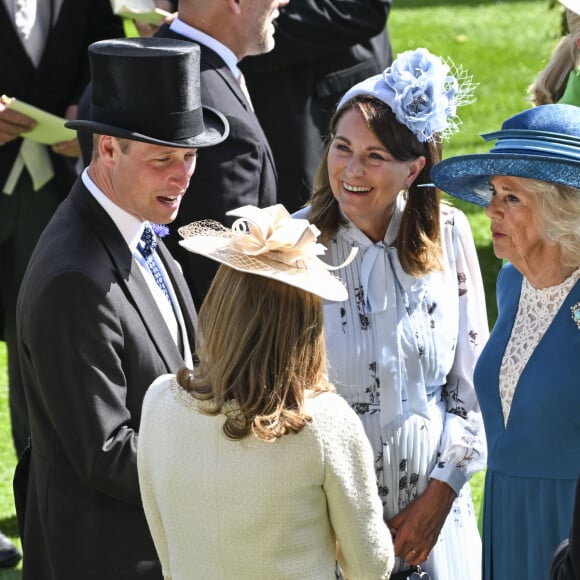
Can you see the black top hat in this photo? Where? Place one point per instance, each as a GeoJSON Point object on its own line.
{"type": "Point", "coordinates": [148, 89]}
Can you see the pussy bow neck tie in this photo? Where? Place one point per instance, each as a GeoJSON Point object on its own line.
{"type": "Point", "coordinates": [387, 290]}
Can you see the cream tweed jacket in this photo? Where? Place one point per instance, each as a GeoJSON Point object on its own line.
{"type": "Point", "coordinates": [248, 510]}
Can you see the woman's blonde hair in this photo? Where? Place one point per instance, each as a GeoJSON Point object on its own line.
{"type": "Point", "coordinates": [419, 238]}
{"type": "Point", "coordinates": [551, 82]}
{"type": "Point", "coordinates": [559, 211]}
{"type": "Point", "coordinates": [261, 344]}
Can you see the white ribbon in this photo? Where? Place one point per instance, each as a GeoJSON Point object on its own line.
{"type": "Point", "coordinates": [387, 288]}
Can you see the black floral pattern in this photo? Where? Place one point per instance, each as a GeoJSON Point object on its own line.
{"type": "Point", "coordinates": [380, 472]}
{"type": "Point", "coordinates": [455, 404]}
{"type": "Point", "coordinates": [343, 320]}
{"type": "Point", "coordinates": [407, 485]}
{"type": "Point", "coordinates": [473, 338]}
{"type": "Point", "coordinates": [359, 296]}
{"type": "Point", "coordinates": [462, 283]}
{"type": "Point", "coordinates": [374, 388]}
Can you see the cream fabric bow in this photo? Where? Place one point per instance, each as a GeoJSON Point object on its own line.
{"type": "Point", "coordinates": [272, 233]}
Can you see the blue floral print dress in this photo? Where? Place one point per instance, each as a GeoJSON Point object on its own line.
{"type": "Point", "coordinates": [402, 352]}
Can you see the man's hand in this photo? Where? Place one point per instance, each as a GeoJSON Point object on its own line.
{"type": "Point", "coordinates": [69, 148]}
{"type": "Point", "coordinates": [13, 124]}
{"type": "Point", "coordinates": [146, 29]}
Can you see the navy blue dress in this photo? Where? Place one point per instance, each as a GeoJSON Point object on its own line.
{"type": "Point", "coordinates": [533, 461]}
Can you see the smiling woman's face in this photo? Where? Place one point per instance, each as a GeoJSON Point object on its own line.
{"type": "Point", "coordinates": [364, 177]}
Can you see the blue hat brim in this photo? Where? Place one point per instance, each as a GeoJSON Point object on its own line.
{"type": "Point", "coordinates": [467, 177]}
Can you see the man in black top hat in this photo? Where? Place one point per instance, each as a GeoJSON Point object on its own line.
{"type": "Point", "coordinates": [103, 310]}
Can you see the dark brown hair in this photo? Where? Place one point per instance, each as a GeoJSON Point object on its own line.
{"type": "Point", "coordinates": [418, 241]}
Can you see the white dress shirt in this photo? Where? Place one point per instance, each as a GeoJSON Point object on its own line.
{"type": "Point", "coordinates": [131, 228]}
{"type": "Point", "coordinates": [180, 27]}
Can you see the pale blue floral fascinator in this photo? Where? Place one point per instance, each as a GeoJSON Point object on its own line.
{"type": "Point", "coordinates": [423, 91]}
{"type": "Point", "coordinates": [539, 143]}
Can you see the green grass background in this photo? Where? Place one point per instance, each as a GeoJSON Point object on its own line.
{"type": "Point", "coordinates": [503, 44]}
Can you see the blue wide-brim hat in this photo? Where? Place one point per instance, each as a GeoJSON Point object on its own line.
{"type": "Point", "coordinates": [540, 143]}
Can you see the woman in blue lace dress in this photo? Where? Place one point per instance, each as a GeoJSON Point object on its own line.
{"type": "Point", "coordinates": [527, 378]}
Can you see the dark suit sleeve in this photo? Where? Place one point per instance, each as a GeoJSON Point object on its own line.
{"type": "Point", "coordinates": [566, 561]}
{"type": "Point", "coordinates": [237, 172]}
{"type": "Point", "coordinates": [308, 30]}
{"type": "Point", "coordinates": [78, 345]}
{"type": "Point", "coordinates": [102, 24]}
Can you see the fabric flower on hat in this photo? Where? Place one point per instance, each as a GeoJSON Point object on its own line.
{"type": "Point", "coordinates": [268, 242]}
{"type": "Point", "coordinates": [423, 91]}
{"type": "Point", "coordinates": [273, 233]}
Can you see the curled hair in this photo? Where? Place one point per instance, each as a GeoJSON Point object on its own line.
{"type": "Point", "coordinates": [260, 343]}
{"type": "Point", "coordinates": [419, 238]}
{"type": "Point", "coordinates": [559, 212]}
{"type": "Point", "coordinates": [551, 82]}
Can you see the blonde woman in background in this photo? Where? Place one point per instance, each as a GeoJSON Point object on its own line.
{"type": "Point", "coordinates": [559, 82]}
{"type": "Point", "coordinates": [526, 378]}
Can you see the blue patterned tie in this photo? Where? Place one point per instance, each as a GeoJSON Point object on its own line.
{"type": "Point", "coordinates": [147, 248]}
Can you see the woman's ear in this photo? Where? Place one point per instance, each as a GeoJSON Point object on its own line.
{"type": "Point", "coordinates": [415, 167]}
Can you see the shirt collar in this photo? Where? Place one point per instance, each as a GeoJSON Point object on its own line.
{"type": "Point", "coordinates": [130, 226]}
{"type": "Point", "coordinates": [180, 27]}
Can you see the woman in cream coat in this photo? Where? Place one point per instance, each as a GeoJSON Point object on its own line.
{"type": "Point", "coordinates": [250, 465]}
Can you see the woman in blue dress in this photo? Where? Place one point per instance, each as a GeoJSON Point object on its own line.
{"type": "Point", "coordinates": [527, 378]}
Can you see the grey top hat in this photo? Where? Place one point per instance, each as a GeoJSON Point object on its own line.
{"type": "Point", "coordinates": [539, 143]}
{"type": "Point", "coordinates": [148, 89]}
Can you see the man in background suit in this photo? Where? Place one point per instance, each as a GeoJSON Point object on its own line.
{"type": "Point", "coordinates": [323, 47]}
{"type": "Point", "coordinates": [101, 314]}
{"type": "Point", "coordinates": [241, 170]}
{"type": "Point", "coordinates": [43, 61]}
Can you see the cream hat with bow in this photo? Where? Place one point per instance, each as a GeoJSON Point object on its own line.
{"type": "Point", "coordinates": [268, 242]}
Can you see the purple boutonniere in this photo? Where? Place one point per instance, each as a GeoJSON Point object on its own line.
{"type": "Point", "coordinates": [160, 230]}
